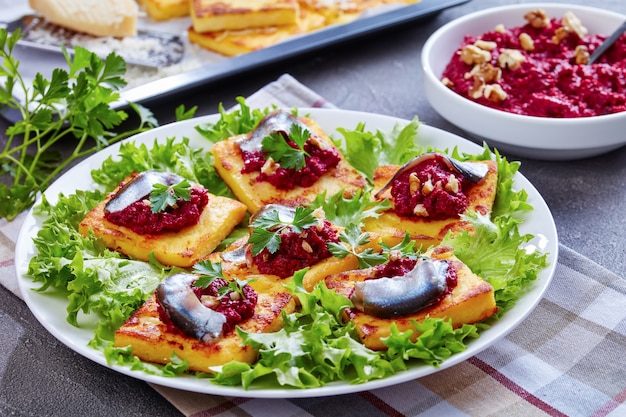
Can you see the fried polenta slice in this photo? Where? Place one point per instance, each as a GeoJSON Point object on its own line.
{"type": "Point", "coordinates": [180, 248]}
{"type": "Point", "coordinates": [152, 341]}
{"type": "Point", "coordinates": [216, 15]}
{"type": "Point", "coordinates": [427, 232]}
{"type": "Point", "coordinates": [256, 194]}
{"type": "Point", "coordinates": [236, 42]}
{"type": "Point", "coordinates": [233, 266]}
{"type": "Point", "coordinates": [166, 9]}
{"type": "Point", "coordinates": [342, 12]}
{"type": "Point", "coordinates": [471, 301]}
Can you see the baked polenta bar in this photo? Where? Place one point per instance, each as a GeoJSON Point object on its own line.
{"type": "Point", "coordinates": [211, 15]}
{"type": "Point", "coordinates": [165, 9]}
{"type": "Point", "coordinates": [471, 301]}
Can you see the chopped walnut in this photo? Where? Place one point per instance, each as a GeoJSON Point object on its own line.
{"type": "Point", "coordinates": [499, 28]}
{"type": "Point", "coordinates": [472, 55]}
{"type": "Point", "coordinates": [269, 167]}
{"type": "Point", "coordinates": [420, 210]}
{"type": "Point", "coordinates": [486, 45]}
{"type": "Point", "coordinates": [447, 82]}
{"type": "Point", "coordinates": [487, 72]}
{"type": "Point", "coordinates": [428, 187]}
{"type": "Point", "coordinates": [511, 59]}
{"type": "Point", "coordinates": [453, 184]}
{"type": "Point", "coordinates": [494, 93]}
{"type": "Point", "coordinates": [209, 301]}
{"type": "Point", "coordinates": [537, 18]}
{"type": "Point", "coordinates": [414, 183]}
{"type": "Point", "coordinates": [559, 34]}
{"type": "Point", "coordinates": [581, 55]}
{"type": "Point", "coordinates": [476, 91]}
{"type": "Point", "coordinates": [307, 247]}
{"type": "Point", "coordinates": [573, 24]}
{"type": "Point", "coordinates": [395, 254]}
{"type": "Point", "coordinates": [527, 43]}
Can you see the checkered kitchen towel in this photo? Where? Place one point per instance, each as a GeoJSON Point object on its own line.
{"type": "Point", "coordinates": [568, 358]}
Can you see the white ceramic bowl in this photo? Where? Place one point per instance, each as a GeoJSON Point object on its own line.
{"type": "Point", "coordinates": [525, 136]}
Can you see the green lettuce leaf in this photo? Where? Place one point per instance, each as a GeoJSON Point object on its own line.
{"type": "Point", "coordinates": [498, 252]}
{"type": "Point", "coordinates": [365, 150]}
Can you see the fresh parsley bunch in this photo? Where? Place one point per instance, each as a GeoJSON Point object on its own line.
{"type": "Point", "coordinates": [73, 106]}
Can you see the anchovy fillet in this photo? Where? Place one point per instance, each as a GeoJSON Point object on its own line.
{"type": "Point", "coordinates": [138, 188]}
{"type": "Point", "coordinates": [185, 309]}
{"type": "Point", "coordinates": [401, 295]}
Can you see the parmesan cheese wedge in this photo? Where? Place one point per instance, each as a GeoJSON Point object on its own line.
{"type": "Point", "coordinates": [116, 18]}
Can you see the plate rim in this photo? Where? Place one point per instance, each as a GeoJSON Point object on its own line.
{"type": "Point", "coordinates": [190, 383]}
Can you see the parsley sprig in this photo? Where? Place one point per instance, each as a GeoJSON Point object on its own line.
{"type": "Point", "coordinates": [350, 239]}
{"type": "Point", "coordinates": [276, 146]}
{"type": "Point", "coordinates": [267, 228]}
{"type": "Point", "coordinates": [352, 242]}
{"type": "Point", "coordinates": [73, 107]}
{"type": "Point", "coordinates": [163, 196]}
{"type": "Point", "coordinates": [210, 271]}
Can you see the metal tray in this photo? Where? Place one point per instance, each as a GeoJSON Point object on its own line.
{"type": "Point", "coordinates": [315, 40]}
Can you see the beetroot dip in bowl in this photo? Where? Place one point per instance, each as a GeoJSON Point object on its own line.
{"type": "Point", "coordinates": [531, 95]}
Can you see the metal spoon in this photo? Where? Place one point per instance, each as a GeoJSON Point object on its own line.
{"type": "Point", "coordinates": [607, 43]}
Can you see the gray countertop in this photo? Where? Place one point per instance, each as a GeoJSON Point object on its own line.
{"type": "Point", "coordinates": [378, 73]}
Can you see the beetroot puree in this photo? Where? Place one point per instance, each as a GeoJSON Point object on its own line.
{"type": "Point", "coordinates": [140, 219]}
{"type": "Point", "coordinates": [549, 83]}
{"type": "Point", "coordinates": [440, 202]}
{"type": "Point", "coordinates": [297, 251]}
{"type": "Point", "coordinates": [319, 162]}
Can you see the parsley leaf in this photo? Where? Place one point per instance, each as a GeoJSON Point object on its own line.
{"type": "Point", "coordinates": [208, 272]}
{"type": "Point", "coordinates": [267, 228]}
{"type": "Point", "coordinates": [279, 149]}
{"type": "Point", "coordinates": [351, 239]}
{"type": "Point", "coordinates": [164, 196]}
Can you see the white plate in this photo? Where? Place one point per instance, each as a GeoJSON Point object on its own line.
{"type": "Point", "coordinates": [51, 310]}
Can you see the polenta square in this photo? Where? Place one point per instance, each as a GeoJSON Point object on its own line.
{"type": "Point", "coordinates": [211, 15]}
{"type": "Point", "coordinates": [424, 230]}
{"type": "Point", "coordinates": [237, 262]}
{"type": "Point", "coordinates": [236, 42]}
{"type": "Point", "coordinates": [470, 301]}
{"type": "Point", "coordinates": [152, 340]}
{"type": "Point", "coordinates": [166, 9]}
{"type": "Point", "coordinates": [182, 247]}
{"type": "Point", "coordinates": [272, 182]}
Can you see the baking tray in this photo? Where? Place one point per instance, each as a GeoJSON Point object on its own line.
{"type": "Point", "coordinates": [224, 67]}
{"type": "Point", "coordinates": [299, 45]}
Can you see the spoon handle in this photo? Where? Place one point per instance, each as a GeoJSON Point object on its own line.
{"type": "Point", "coordinates": [607, 43]}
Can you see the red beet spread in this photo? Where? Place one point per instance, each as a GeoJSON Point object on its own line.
{"type": "Point", "coordinates": [297, 251]}
{"type": "Point", "coordinates": [236, 308]}
{"type": "Point", "coordinates": [139, 217]}
{"type": "Point", "coordinates": [439, 203]}
{"type": "Point", "coordinates": [549, 83]}
{"type": "Point", "coordinates": [319, 162]}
